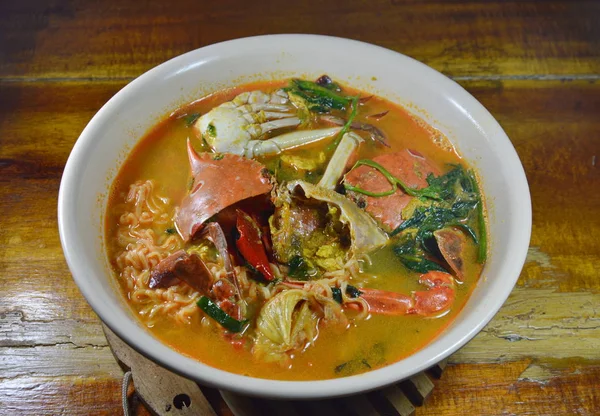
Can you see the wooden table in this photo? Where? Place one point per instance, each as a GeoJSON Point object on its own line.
{"type": "Point", "coordinates": [534, 65]}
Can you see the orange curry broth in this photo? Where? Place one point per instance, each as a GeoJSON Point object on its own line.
{"type": "Point", "coordinates": [368, 344]}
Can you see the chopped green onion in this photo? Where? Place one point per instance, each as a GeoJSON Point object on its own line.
{"type": "Point", "coordinates": [466, 229]}
{"type": "Point", "coordinates": [482, 249]}
{"type": "Point", "coordinates": [346, 127]}
{"type": "Point", "coordinates": [352, 116]}
{"type": "Point", "coordinates": [211, 130]}
{"type": "Point", "coordinates": [215, 312]}
{"type": "Point", "coordinates": [333, 99]}
{"type": "Point", "coordinates": [191, 119]}
{"type": "Point", "coordinates": [336, 293]}
{"type": "Point", "coordinates": [352, 291]}
{"type": "Point", "coordinates": [369, 193]}
{"type": "Point", "coordinates": [420, 264]}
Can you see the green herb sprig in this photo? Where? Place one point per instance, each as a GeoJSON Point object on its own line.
{"type": "Point", "coordinates": [432, 192]}
{"type": "Point", "coordinates": [351, 291]}
{"type": "Point", "coordinates": [458, 204]}
{"type": "Point", "coordinates": [190, 119]}
{"type": "Point", "coordinates": [346, 127]}
{"type": "Point", "coordinates": [317, 96]}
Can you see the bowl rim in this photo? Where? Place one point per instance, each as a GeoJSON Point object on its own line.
{"type": "Point", "coordinates": [266, 387]}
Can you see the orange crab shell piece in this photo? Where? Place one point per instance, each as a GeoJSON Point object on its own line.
{"type": "Point", "coordinates": [440, 295]}
{"type": "Point", "coordinates": [406, 165]}
{"type": "Point", "coordinates": [452, 246]}
{"type": "Point", "coordinates": [220, 180]}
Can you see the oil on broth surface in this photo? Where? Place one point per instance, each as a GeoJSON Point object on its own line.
{"type": "Point", "coordinates": [337, 351]}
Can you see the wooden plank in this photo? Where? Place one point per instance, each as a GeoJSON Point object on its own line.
{"type": "Point", "coordinates": [60, 360]}
{"type": "Point", "coordinates": [479, 389]}
{"type": "Point", "coordinates": [41, 122]}
{"type": "Point", "coordinates": [539, 324]}
{"type": "Point", "coordinates": [53, 395]}
{"type": "Point", "coordinates": [16, 330]}
{"type": "Point", "coordinates": [466, 388]}
{"type": "Point", "coordinates": [391, 400]}
{"type": "Point", "coordinates": [417, 388]}
{"type": "Point", "coordinates": [437, 370]}
{"type": "Point", "coordinates": [115, 39]}
{"type": "Point", "coordinates": [554, 127]}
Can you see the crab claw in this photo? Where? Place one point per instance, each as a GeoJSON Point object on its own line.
{"type": "Point", "coordinates": [219, 180]}
{"type": "Point", "coordinates": [438, 298]}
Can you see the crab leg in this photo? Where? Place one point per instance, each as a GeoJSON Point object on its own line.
{"type": "Point", "coordinates": [259, 97]}
{"type": "Point", "coordinates": [278, 124]}
{"type": "Point", "coordinates": [273, 115]}
{"type": "Point", "coordinates": [338, 161]}
{"type": "Point", "coordinates": [438, 297]}
{"type": "Point", "coordinates": [255, 108]}
{"type": "Point", "coordinates": [286, 141]}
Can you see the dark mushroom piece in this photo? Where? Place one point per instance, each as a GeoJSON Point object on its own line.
{"type": "Point", "coordinates": [182, 266]}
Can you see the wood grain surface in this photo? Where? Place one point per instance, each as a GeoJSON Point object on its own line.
{"type": "Point", "coordinates": [534, 65]}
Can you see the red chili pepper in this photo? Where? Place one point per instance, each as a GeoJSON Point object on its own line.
{"type": "Point", "coordinates": [251, 246]}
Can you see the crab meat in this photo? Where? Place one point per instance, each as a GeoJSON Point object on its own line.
{"type": "Point", "coordinates": [366, 235]}
{"type": "Point", "coordinates": [409, 166]}
{"type": "Point", "coordinates": [235, 126]}
{"type": "Point", "coordinates": [296, 218]}
{"type": "Point", "coordinates": [219, 181]}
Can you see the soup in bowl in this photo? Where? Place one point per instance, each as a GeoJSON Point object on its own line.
{"type": "Point", "coordinates": [277, 217]}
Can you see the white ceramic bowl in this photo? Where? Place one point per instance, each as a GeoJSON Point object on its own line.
{"type": "Point", "coordinates": [114, 130]}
